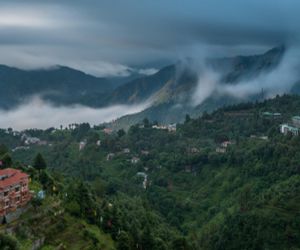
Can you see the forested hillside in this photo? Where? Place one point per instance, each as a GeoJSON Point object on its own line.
{"type": "Point", "coordinates": [226, 180]}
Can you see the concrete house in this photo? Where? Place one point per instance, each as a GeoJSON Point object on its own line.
{"type": "Point", "coordinates": [135, 160]}
{"type": "Point", "coordinates": [14, 190]}
{"type": "Point", "coordinates": [296, 121]}
{"type": "Point", "coordinates": [286, 129]}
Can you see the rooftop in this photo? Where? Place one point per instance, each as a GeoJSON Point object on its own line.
{"type": "Point", "coordinates": [10, 176]}
{"type": "Point", "coordinates": [289, 127]}
{"type": "Point", "coordinates": [297, 117]}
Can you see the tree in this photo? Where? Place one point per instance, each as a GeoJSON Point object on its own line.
{"type": "Point", "coordinates": [6, 161]}
{"type": "Point", "coordinates": [146, 123]}
{"type": "Point", "coordinates": [3, 149]}
{"type": "Point", "coordinates": [124, 241]}
{"type": "Point", "coordinates": [8, 242]}
{"type": "Point", "coordinates": [39, 163]}
{"type": "Point", "coordinates": [187, 118]}
{"type": "Point", "coordinates": [147, 239]}
{"type": "Point", "coordinates": [121, 132]}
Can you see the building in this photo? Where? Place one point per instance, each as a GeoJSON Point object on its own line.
{"type": "Point", "coordinates": [296, 121]}
{"type": "Point", "coordinates": [271, 115]}
{"type": "Point", "coordinates": [107, 131]}
{"type": "Point", "coordinates": [126, 150]}
{"type": "Point", "coordinates": [110, 156]}
{"type": "Point", "coordinates": [225, 144]}
{"type": "Point", "coordinates": [145, 181]}
{"type": "Point", "coordinates": [169, 127]}
{"type": "Point", "coordinates": [32, 140]}
{"type": "Point", "coordinates": [145, 152]}
{"type": "Point", "coordinates": [135, 160]}
{"type": "Point", "coordinates": [221, 150]}
{"type": "Point", "coordinates": [286, 129]}
{"type": "Point", "coordinates": [14, 190]}
{"type": "Point", "coordinates": [82, 145]}
{"type": "Point", "coordinates": [193, 150]}
{"type": "Point", "coordinates": [172, 127]}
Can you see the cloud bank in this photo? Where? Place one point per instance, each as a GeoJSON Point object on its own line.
{"type": "Point", "coordinates": [278, 81]}
{"type": "Point", "coordinates": [109, 37]}
{"type": "Point", "coordinates": [39, 114]}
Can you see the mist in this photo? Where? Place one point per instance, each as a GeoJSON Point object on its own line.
{"type": "Point", "coordinates": [277, 81]}
{"type": "Point", "coordinates": [37, 113]}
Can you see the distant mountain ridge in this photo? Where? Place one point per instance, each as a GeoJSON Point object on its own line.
{"type": "Point", "coordinates": [173, 98]}
{"type": "Point", "coordinates": [170, 89]}
{"type": "Point", "coordinates": [61, 85]}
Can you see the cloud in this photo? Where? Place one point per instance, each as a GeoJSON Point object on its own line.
{"type": "Point", "coordinates": [278, 81]}
{"type": "Point", "coordinates": [147, 72]}
{"type": "Point", "coordinates": [37, 113]}
{"type": "Point", "coordinates": [117, 35]}
{"type": "Point", "coordinates": [206, 86]}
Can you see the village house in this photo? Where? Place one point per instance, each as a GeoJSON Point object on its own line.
{"type": "Point", "coordinates": [169, 127]}
{"type": "Point", "coordinates": [193, 150]}
{"type": "Point", "coordinates": [14, 190]}
{"type": "Point", "coordinates": [135, 160]}
{"type": "Point", "coordinates": [126, 150]}
{"type": "Point", "coordinates": [221, 150]}
{"type": "Point", "coordinates": [107, 131]}
{"type": "Point", "coordinates": [296, 121]}
{"type": "Point", "coordinates": [82, 145]}
{"type": "Point", "coordinates": [145, 181]}
{"type": "Point", "coordinates": [110, 156]}
{"type": "Point", "coordinates": [159, 127]}
{"type": "Point", "coordinates": [271, 114]}
{"type": "Point", "coordinates": [286, 129]}
{"type": "Point", "coordinates": [145, 152]}
{"type": "Point", "coordinates": [172, 127]}
{"type": "Point", "coordinates": [32, 140]}
{"type": "Point", "coordinates": [225, 144]}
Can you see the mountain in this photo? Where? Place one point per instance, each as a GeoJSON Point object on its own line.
{"type": "Point", "coordinates": [171, 91]}
{"type": "Point", "coordinates": [142, 88]}
{"type": "Point", "coordinates": [174, 80]}
{"type": "Point", "coordinates": [245, 67]}
{"type": "Point", "coordinates": [172, 95]}
{"type": "Point", "coordinates": [225, 180]}
{"type": "Point", "coordinates": [61, 85]}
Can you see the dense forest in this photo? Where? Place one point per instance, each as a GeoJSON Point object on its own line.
{"type": "Point", "coordinates": [226, 180]}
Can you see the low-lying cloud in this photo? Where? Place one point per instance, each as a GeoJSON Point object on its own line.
{"type": "Point", "coordinates": [40, 114]}
{"type": "Point", "coordinates": [278, 81]}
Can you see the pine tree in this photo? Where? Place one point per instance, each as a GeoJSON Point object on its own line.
{"type": "Point", "coordinates": [39, 163]}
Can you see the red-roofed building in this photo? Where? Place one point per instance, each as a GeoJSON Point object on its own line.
{"type": "Point", "coordinates": [14, 190]}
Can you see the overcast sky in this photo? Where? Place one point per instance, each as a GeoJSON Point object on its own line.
{"type": "Point", "coordinates": [111, 37]}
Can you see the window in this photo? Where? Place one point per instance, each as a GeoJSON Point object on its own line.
{"type": "Point", "coordinates": [17, 189]}
{"type": "Point", "coordinates": [7, 203]}
{"type": "Point", "coordinates": [18, 199]}
{"type": "Point", "coordinates": [5, 193]}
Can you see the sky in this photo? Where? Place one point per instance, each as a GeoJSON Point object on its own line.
{"type": "Point", "coordinates": [114, 38]}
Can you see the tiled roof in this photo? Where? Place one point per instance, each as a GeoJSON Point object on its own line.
{"type": "Point", "coordinates": [14, 176]}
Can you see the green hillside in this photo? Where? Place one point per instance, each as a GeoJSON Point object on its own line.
{"type": "Point", "coordinates": [153, 189]}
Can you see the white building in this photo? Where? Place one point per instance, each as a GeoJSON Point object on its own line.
{"type": "Point", "coordinates": [285, 129]}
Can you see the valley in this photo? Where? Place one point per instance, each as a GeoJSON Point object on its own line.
{"type": "Point", "coordinates": [193, 190]}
